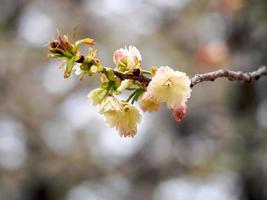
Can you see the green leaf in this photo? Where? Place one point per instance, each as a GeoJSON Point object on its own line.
{"type": "Point", "coordinates": [69, 66]}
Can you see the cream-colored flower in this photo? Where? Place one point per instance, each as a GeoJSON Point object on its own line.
{"type": "Point", "coordinates": [124, 120]}
{"type": "Point", "coordinates": [172, 87]}
{"type": "Point", "coordinates": [148, 103]}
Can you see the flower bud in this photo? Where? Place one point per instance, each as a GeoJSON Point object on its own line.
{"type": "Point", "coordinates": [179, 112]}
{"type": "Point", "coordinates": [61, 47]}
{"type": "Point", "coordinates": [69, 52]}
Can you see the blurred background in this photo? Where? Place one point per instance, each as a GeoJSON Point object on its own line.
{"type": "Point", "coordinates": [53, 143]}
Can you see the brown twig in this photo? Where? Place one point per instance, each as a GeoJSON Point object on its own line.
{"type": "Point", "coordinates": [140, 78]}
{"type": "Point", "coordinates": [63, 48]}
{"type": "Point", "coordinates": [245, 77]}
{"type": "Point", "coordinates": [132, 76]}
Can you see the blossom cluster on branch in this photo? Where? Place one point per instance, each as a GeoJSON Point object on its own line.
{"type": "Point", "coordinates": [149, 88]}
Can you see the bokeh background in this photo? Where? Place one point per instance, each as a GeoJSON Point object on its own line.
{"type": "Point", "coordinates": [53, 143]}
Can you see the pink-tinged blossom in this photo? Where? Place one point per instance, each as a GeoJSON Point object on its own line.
{"type": "Point", "coordinates": [172, 87]}
{"type": "Point", "coordinates": [148, 103]}
{"type": "Point", "coordinates": [127, 59]}
{"type": "Point", "coordinates": [119, 55]}
{"type": "Point", "coordinates": [179, 112]}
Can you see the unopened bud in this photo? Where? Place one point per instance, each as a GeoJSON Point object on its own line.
{"type": "Point", "coordinates": [179, 112]}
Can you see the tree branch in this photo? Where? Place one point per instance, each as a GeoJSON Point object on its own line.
{"type": "Point", "coordinates": [137, 77]}
{"type": "Point", "coordinates": [245, 77]}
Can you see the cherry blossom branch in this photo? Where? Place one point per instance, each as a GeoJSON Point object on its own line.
{"type": "Point", "coordinates": [62, 47]}
{"type": "Point", "coordinates": [134, 76]}
{"type": "Point", "coordinates": [245, 77]}
{"type": "Point", "coordinates": [149, 88]}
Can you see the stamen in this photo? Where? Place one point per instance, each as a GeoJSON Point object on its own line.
{"type": "Point", "coordinates": [168, 83]}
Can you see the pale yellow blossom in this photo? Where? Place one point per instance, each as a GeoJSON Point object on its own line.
{"type": "Point", "coordinates": [172, 87]}
{"type": "Point", "coordinates": [124, 120]}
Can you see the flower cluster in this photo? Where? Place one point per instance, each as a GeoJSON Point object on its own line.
{"type": "Point", "coordinates": [72, 58]}
{"type": "Point", "coordinates": [171, 87]}
{"type": "Point", "coordinates": [148, 88]}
